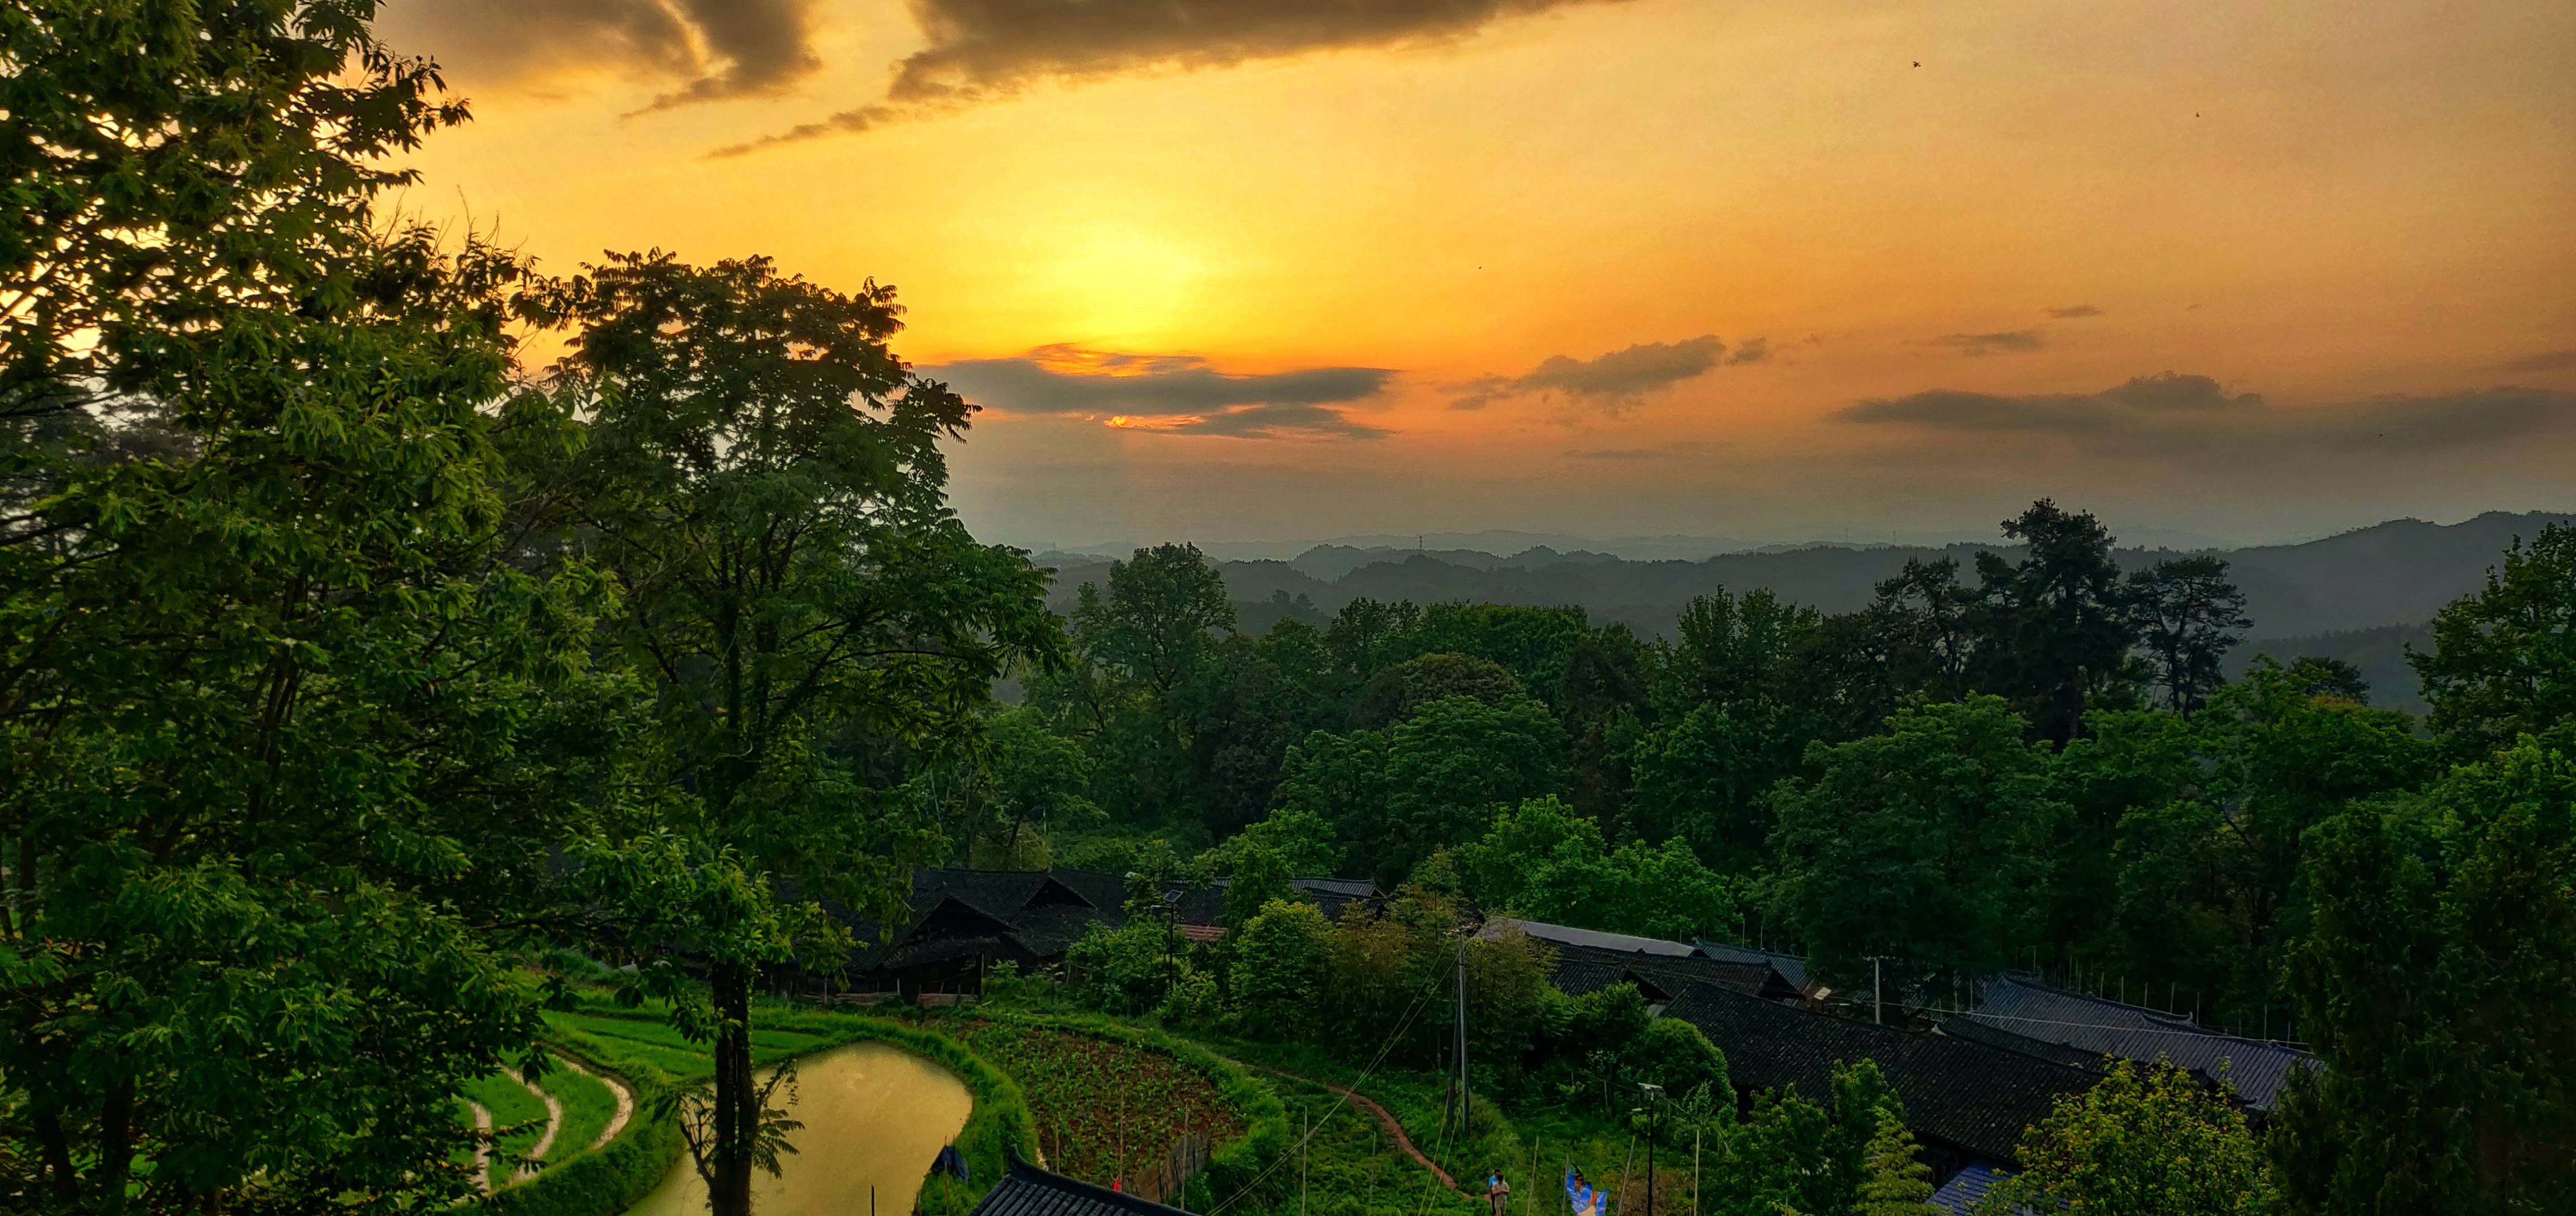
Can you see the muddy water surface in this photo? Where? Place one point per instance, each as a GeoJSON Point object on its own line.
{"type": "Point", "coordinates": [873, 1115]}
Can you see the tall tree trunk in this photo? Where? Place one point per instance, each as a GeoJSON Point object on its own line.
{"type": "Point", "coordinates": [57, 1149]}
{"type": "Point", "coordinates": [737, 1100]}
{"type": "Point", "coordinates": [115, 1146]}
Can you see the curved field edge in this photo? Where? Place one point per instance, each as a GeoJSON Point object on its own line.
{"type": "Point", "coordinates": [1244, 1163]}
{"type": "Point", "coordinates": [611, 1179]}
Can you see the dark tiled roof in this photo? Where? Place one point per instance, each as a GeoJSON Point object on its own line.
{"type": "Point", "coordinates": [1791, 967]}
{"type": "Point", "coordinates": [1581, 969]}
{"type": "Point", "coordinates": [1973, 1096]}
{"type": "Point", "coordinates": [1026, 916]}
{"type": "Point", "coordinates": [2255, 1068]}
{"type": "Point", "coordinates": [1570, 936]}
{"type": "Point", "coordinates": [1965, 1027]}
{"type": "Point", "coordinates": [1029, 1191]}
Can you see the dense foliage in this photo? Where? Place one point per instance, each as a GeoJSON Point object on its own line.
{"type": "Point", "coordinates": [2150, 1141]}
{"type": "Point", "coordinates": [349, 664]}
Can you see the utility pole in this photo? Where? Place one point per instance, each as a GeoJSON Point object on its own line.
{"type": "Point", "coordinates": [1462, 1039]}
{"type": "Point", "coordinates": [1653, 1108]}
{"type": "Point", "coordinates": [1877, 994]}
{"type": "Point", "coordinates": [1306, 1123]}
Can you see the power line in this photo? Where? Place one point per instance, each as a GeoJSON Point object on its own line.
{"type": "Point", "coordinates": [1344, 1098]}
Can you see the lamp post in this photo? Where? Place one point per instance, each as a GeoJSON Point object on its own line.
{"type": "Point", "coordinates": [1654, 1093]}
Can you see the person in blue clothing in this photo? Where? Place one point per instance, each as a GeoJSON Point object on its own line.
{"type": "Point", "coordinates": [1587, 1201]}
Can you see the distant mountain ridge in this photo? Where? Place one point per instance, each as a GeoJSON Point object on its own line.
{"type": "Point", "coordinates": [2387, 575]}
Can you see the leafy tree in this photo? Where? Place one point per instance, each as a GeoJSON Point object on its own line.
{"type": "Point", "coordinates": [1898, 1183]}
{"type": "Point", "coordinates": [1731, 649]}
{"type": "Point", "coordinates": [1239, 714]}
{"type": "Point", "coordinates": [1159, 621]}
{"type": "Point", "coordinates": [1260, 876]}
{"type": "Point", "coordinates": [264, 684]}
{"type": "Point", "coordinates": [1602, 701]}
{"type": "Point", "coordinates": [764, 483]}
{"type": "Point", "coordinates": [1929, 625]}
{"type": "Point", "coordinates": [1536, 645]}
{"type": "Point", "coordinates": [1401, 691]}
{"type": "Point", "coordinates": [1771, 1162]}
{"type": "Point", "coordinates": [1922, 845]}
{"type": "Point", "coordinates": [1790, 1155]}
{"type": "Point", "coordinates": [1033, 779]}
{"type": "Point", "coordinates": [1130, 969]}
{"type": "Point", "coordinates": [1301, 839]}
{"type": "Point", "coordinates": [2144, 1141]}
{"type": "Point", "coordinates": [1278, 963]}
{"type": "Point", "coordinates": [1543, 861]}
{"type": "Point", "coordinates": [1450, 766]}
{"type": "Point", "coordinates": [2433, 981]}
{"type": "Point", "coordinates": [2333, 677]}
{"type": "Point", "coordinates": [2211, 880]}
{"type": "Point", "coordinates": [1382, 970]}
{"type": "Point", "coordinates": [1340, 780]}
{"type": "Point", "coordinates": [1368, 636]}
{"type": "Point", "coordinates": [1707, 778]}
{"type": "Point", "coordinates": [2055, 628]}
{"type": "Point", "coordinates": [2504, 660]}
{"type": "Point", "coordinates": [2188, 615]}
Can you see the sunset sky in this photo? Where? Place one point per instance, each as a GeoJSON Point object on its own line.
{"type": "Point", "coordinates": [1250, 269]}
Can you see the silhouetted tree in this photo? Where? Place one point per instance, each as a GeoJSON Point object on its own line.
{"type": "Point", "coordinates": [2055, 631]}
{"type": "Point", "coordinates": [2188, 615]}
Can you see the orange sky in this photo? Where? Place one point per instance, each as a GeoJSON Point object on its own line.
{"type": "Point", "coordinates": [1319, 235]}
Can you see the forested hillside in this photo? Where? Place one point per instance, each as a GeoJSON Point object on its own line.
{"type": "Point", "coordinates": [2391, 574]}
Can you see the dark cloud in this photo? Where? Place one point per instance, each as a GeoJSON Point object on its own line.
{"type": "Point", "coordinates": [1616, 380]}
{"type": "Point", "coordinates": [1178, 394]}
{"type": "Point", "coordinates": [715, 48]}
{"type": "Point", "coordinates": [2170, 415]}
{"type": "Point", "coordinates": [2012, 341]}
{"type": "Point", "coordinates": [2548, 361]}
{"type": "Point", "coordinates": [2076, 313]}
{"type": "Point", "coordinates": [983, 50]}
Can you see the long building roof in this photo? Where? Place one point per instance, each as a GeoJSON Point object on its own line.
{"type": "Point", "coordinates": [1974, 1096]}
{"type": "Point", "coordinates": [2254, 1068]}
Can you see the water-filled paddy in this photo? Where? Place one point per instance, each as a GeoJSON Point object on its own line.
{"type": "Point", "coordinates": [873, 1115]}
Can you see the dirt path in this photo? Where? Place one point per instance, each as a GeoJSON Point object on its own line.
{"type": "Point", "coordinates": [545, 1143]}
{"type": "Point", "coordinates": [482, 1147]}
{"type": "Point", "coordinates": [1386, 1121]}
{"type": "Point", "coordinates": [625, 1102]}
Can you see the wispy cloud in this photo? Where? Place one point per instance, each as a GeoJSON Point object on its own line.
{"type": "Point", "coordinates": [2013, 341]}
{"type": "Point", "coordinates": [1170, 394]}
{"type": "Point", "coordinates": [1613, 381]}
{"type": "Point", "coordinates": [985, 50]}
{"type": "Point", "coordinates": [2073, 313]}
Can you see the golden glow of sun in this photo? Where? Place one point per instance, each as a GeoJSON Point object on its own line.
{"type": "Point", "coordinates": [1119, 283]}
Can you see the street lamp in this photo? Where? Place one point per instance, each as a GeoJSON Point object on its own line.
{"type": "Point", "coordinates": [1654, 1093]}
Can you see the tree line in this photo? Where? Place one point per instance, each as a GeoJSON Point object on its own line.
{"type": "Point", "coordinates": [2037, 768]}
